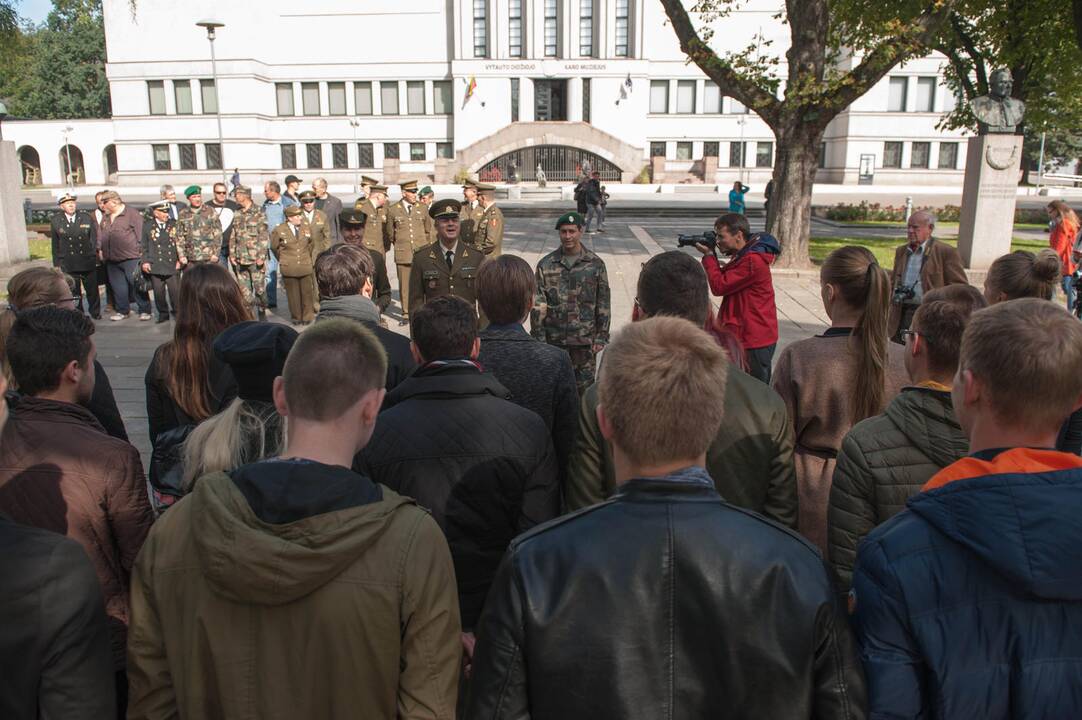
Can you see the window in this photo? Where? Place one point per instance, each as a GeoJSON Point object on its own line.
{"type": "Point", "coordinates": [285, 98]}
{"type": "Point", "coordinates": [711, 98]}
{"type": "Point", "coordinates": [659, 96]}
{"type": "Point", "coordinates": [586, 99]}
{"type": "Point", "coordinates": [339, 156]}
{"type": "Point", "coordinates": [683, 151]}
{"type": "Point", "coordinates": [948, 156]}
{"type": "Point", "coordinates": [390, 151]}
{"type": "Point", "coordinates": [920, 155]}
{"type": "Point", "coordinates": [365, 156]}
{"type": "Point", "coordinates": [336, 98]}
{"type": "Point", "coordinates": [657, 149]}
{"type": "Point", "coordinates": [586, 28]}
{"type": "Point", "coordinates": [310, 98]}
{"type": "Point", "coordinates": [685, 97]}
{"type": "Point", "coordinates": [289, 157]}
{"type": "Point", "coordinates": [388, 97]}
{"type": "Point", "coordinates": [514, 28]}
{"type": "Point", "coordinates": [417, 152]}
{"type": "Point", "coordinates": [480, 28]}
{"type": "Point", "coordinates": [892, 154]}
{"type": "Point", "coordinates": [362, 98]}
{"type": "Point", "coordinates": [442, 99]}
{"type": "Point", "coordinates": [926, 94]}
{"type": "Point", "coordinates": [161, 157]}
{"type": "Point", "coordinates": [415, 97]}
{"type": "Point", "coordinates": [209, 96]}
{"type": "Point", "coordinates": [711, 149]}
{"type": "Point", "coordinates": [950, 101]}
{"type": "Point", "coordinates": [187, 156]}
{"type": "Point", "coordinates": [737, 108]}
{"type": "Point", "coordinates": [213, 155]}
{"type": "Point", "coordinates": [514, 99]}
{"type": "Point", "coordinates": [445, 151]}
{"type": "Point", "coordinates": [899, 87]}
{"type": "Point", "coordinates": [315, 155]}
{"type": "Point", "coordinates": [764, 154]}
{"type": "Point", "coordinates": [551, 27]}
{"type": "Point", "coordinates": [182, 92]}
{"type": "Point", "coordinates": [156, 93]}
{"type": "Point", "coordinates": [622, 15]}
{"type": "Point", "coordinates": [736, 154]}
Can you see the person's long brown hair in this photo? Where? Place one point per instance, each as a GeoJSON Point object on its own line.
{"type": "Point", "coordinates": [864, 286]}
{"type": "Point", "coordinates": [210, 301]}
{"type": "Point", "coordinates": [30, 288]}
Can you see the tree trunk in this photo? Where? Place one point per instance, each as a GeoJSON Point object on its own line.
{"type": "Point", "coordinates": [789, 219]}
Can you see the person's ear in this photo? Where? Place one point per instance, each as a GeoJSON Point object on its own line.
{"type": "Point", "coordinates": [368, 287]}
{"type": "Point", "coordinates": [636, 312]}
{"type": "Point", "coordinates": [475, 349]}
{"type": "Point", "coordinates": [72, 373]}
{"type": "Point", "coordinates": [278, 392]}
{"type": "Point", "coordinates": [417, 358]}
{"type": "Point", "coordinates": [918, 346]}
{"type": "Point", "coordinates": [973, 389]}
{"type": "Point", "coordinates": [603, 424]}
{"type": "Point", "coordinates": [370, 403]}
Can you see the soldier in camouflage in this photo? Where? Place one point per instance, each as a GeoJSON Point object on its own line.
{"type": "Point", "coordinates": [248, 250]}
{"type": "Point", "coordinates": [199, 232]}
{"type": "Point", "coordinates": [572, 306]}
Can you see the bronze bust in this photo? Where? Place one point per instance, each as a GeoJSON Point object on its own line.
{"type": "Point", "coordinates": [998, 112]}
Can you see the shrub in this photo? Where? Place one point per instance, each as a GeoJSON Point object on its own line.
{"type": "Point", "coordinates": [462, 176]}
{"type": "Point", "coordinates": [643, 178]}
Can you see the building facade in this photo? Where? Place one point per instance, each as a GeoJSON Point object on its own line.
{"type": "Point", "coordinates": [443, 88]}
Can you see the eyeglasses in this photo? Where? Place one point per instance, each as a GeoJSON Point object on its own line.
{"type": "Point", "coordinates": [906, 334]}
{"type": "Point", "coordinates": [219, 192]}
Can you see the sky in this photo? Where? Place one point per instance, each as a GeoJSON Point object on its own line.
{"type": "Point", "coordinates": [34, 10]}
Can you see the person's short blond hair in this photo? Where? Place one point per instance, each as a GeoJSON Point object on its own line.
{"type": "Point", "coordinates": [1027, 354]}
{"type": "Point", "coordinates": [662, 390]}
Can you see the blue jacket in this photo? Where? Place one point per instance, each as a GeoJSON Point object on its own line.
{"type": "Point", "coordinates": [969, 604]}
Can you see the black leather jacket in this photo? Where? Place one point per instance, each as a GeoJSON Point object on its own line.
{"type": "Point", "coordinates": [664, 602]}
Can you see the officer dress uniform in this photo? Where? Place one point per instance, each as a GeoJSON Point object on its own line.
{"type": "Point", "coordinates": [294, 247]}
{"type": "Point", "coordinates": [161, 251]}
{"type": "Point", "coordinates": [375, 219]}
{"type": "Point", "coordinates": [319, 225]}
{"type": "Point", "coordinates": [381, 284]}
{"type": "Point", "coordinates": [489, 236]}
{"type": "Point", "coordinates": [75, 251]}
{"type": "Point", "coordinates": [572, 305]}
{"type": "Point", "coordinates": [470, 218]}
{"type": "Point", "coordinates": [407, 231]}
{"type": "Point", "coordinates": [249, 248]}
{"type": "Point", "coordinates": [433, 276]}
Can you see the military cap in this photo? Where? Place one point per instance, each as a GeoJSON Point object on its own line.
{"type": "Point", "coordinates": [292, 179]}
{"type": "Point", "coordinates": [365, 180]}
{"type": "Point", "coordinates": [65, 197]}
{"type": "Point", "coordinates": [426, 191]}
{"type": "Point", "coordinates": [242, 189]}
{"type": "Point", "coordinates": [469, 183]}
{"type": "Point", "coordinates": [307, 195]}
{"type": "Point", "coordinates": [485, 188]}
{"type": "Point", "coordinates": [256, 352]}
{"type": "Point", "coordinates": [570, 218]}
{"type": "Point", "coordinates": [292, 211]}
{"type": "Point", "coordinates": [448, 207]}
{"type": "Point", "coordinates": [192, 190]}
{"type": "Point", "coordinates": [162, 205]}
{"type": "Point", "coordinates": [408, 186]}
{"type": "Point", "coordinates": [352, 217]}
{"type": "Point", "coordinates": [378, 188]}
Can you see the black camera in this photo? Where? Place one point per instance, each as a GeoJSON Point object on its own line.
{"type": "Point", "coordinates": [903, 295]}
{"type": "Point", "coordinates": [708, 238]}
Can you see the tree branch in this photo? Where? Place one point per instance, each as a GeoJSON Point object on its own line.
{"type": "Point", "coordinates": [728, 80]}
{"type": "Point", "coordinates": [958, 25]}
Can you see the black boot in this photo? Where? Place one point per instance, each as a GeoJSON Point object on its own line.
{"type": "Point", "coordinates": [261, 314]}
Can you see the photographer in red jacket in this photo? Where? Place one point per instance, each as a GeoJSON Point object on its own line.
{"type": "Point", "coordinates": [747, 290]}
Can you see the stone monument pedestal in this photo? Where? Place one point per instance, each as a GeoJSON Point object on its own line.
{"type": "Point", "coordinates": [13, 245]}
{"type": "Point", "coordinates": [988, 198]}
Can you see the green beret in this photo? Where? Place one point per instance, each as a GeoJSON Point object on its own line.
{"type": "Point", "coordinates": [292, 211]}
{"type": "Point", "coordinates": [571, 218]}
{"type": "Point", "coordinates": [448, 207]}
{"type": "Point", "coordinates": [426, 190]}
{"type": "Point", "coordinates": [192, 190]}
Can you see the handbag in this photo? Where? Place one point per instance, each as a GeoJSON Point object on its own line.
{"type": "Point", "coordinates": [140, 280]}
{"type": "Point", "coordinates": [166, 467]}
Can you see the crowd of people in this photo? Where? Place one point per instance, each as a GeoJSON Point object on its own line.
{"type": "Point", "coordinates": [488, 521]}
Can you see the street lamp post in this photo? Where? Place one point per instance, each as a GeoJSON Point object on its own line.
{"type": "Point", "coordinates": [211, 26]}
{"type": "Point", "coordinates": [3, 114]}
{"type": "Point", "coordinates": [356, 123]}
{"type": "Point", "coordinates": [67, 151]}
{"type": "Point", "coordinates": [743, 161]}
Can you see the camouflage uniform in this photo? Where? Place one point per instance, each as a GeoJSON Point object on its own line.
{"type": "Point", "coordinates": [199, 234]}
{"type": "Point", "coordinates": [248, 246]}
{"type": "Point", "coordinates": [571, 308]}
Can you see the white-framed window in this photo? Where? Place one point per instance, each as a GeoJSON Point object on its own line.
{"type": "Point", "coordinates": [764, 154]}
{"type": "Point", "coordinates": [480, 28]}
{"type": "Point", "coordinates": [623, 22]}
{"type": "Point", "coordinates": [442, 98]}
{"type": "Point", "coordinates": [948, 156]}
{"type": "Point", "coordinates": [161, 157]}
{"type": "Point", "coordinates": [586, 28]}
{"type": "Point", "coordinates": [388, 97]}
{"type": "Point", "coordinates": [310, 98]}
{"type": "Point", "coordinates": [711, 98]}
{"type": "Point", "coordinates": [362, 98]}
{"type": "Point", "coordinates": [659, 96]}
{"type": "Point", "coordinates": [892, 154]}
{"type": "Point", "coordinates": [683, 150]}
{"type": "Point", "coordinates": [156, 96]}
{"type": "Point", "coordinates": [209, 97]}
{"type": "Point", "coordinates": [284, 94]}
{"type": "Point", "coordinates": [685, 97]}
{"type": "Point", "coordinates": [336, 98]}
{"type": "Point", "coordinates": [926, 94]}
{"type": "Point", "coordinates": [737, 108]}
{"type": "Point", "coordinates": [899, 90]}
{"type": "Point", "coordinates": [514, 28]}
{"type": "Point", "coordinates": [415, 97]}
{"type": "Point", "coordinates": [182, 93]}
{"type": "Point", "coordinates": [552, 29]}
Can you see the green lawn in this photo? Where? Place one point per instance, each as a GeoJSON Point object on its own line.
{"type": "Point", "coordinates": [883, 248]}
{"type": "Point", "coordinates": [41, 249]}
{"type": "Point", "coordinates": [941, 225]}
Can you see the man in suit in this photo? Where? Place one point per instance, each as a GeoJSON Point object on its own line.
{"type": "Point", "coordinates": [407, 231]}
{"type": "Point", "coordinates": [921, 265]}
{"type": "Point", "coordinates": [75, 251]}
{"type": "Point", "coordinates": [448, 266]}
{"type": "Point", "coordinates": [169, 193]}
{"type": "Point", "coordinates": [330, 205]}
{"type": "Point", "coordinates": [471, 213]}
{"type": "Point", "coordinates": [488, 234]}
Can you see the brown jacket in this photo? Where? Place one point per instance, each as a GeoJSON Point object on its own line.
{"type": "Point", "coordinates": [322, 231]}
{"type": "Point", "coordinates": [295, 254]}
{"type": "Point", "coordinates": [61, 472]}
{"type": "Point", "coordinates": [406, 230]}
{"type": "Point", "coordinates": [942, 266]}
{"type": "Point", "coordinates": [288, 590]}
{"type": "Point", "coordinates": [431, 278]}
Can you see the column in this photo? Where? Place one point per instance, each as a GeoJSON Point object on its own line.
{"type": "Point", "coordinates": [525, 100]}
{"type": "Point", "coordinates": [574, 99]}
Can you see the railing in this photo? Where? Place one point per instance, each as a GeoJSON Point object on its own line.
{"type": "Point", "coordinates": [558, 162]}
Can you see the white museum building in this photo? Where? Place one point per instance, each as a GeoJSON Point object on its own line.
{"type": "Point", "coordinates": [438, 88]}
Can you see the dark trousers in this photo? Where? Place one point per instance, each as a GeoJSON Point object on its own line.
{"type": "Point", "coordinates": [123, 289]}
{"type": "Point", "coordinates": [908, 311]}
{"type": "Point", "coordinates": [161, 283]}
{"type": "Point", "coordinates": [103, 279]}
{"type": "Point", "coordinates": [759, 361]}
{"type": "Point", "coordinates": [87, 281]}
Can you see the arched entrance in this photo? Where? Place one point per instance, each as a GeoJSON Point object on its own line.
{"type": "Point", "coordinates": [75, 168]}
{"type": "Point", "coordinates": [560, 163]}
{"type": "Point", "coordinates": [108, 161]}
{"type": "Point", "coordinates": [30, 162]}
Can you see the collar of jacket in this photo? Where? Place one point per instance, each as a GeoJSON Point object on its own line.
{"type": "Point", "coordinates": [583, 256]}
{"type": "Point", "coordinates": [512, 331]}
{"type": "Point", "coordinates": [447, 381]}
{"type": "Point", "coordinates": [692, 484]}
{"type": "Point", "coordinates": [1012, 461]}
{"type": "Point", "coordinates": [354, 307]}
{"type": "Point", "coordinates": [25, 406]}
